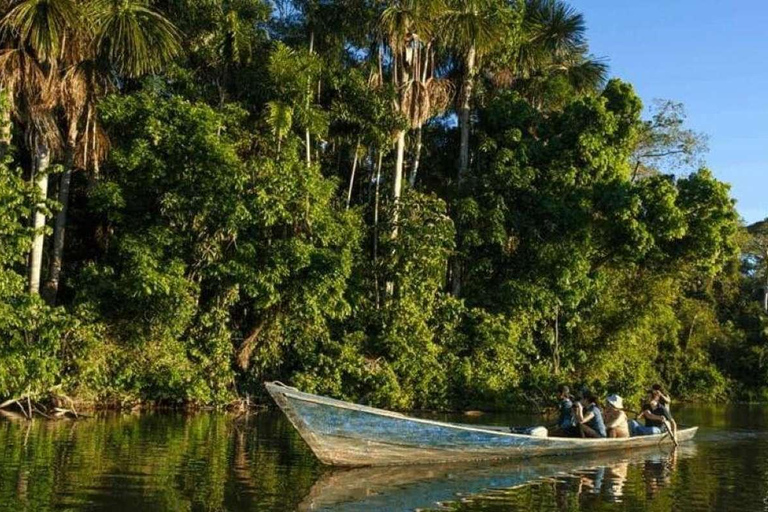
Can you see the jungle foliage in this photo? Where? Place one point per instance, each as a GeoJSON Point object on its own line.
{"type": "Point", "coordinates": [412, 204]}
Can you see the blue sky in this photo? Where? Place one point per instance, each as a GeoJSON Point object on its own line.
{"type": "Point", "coordinates": [710, 55]}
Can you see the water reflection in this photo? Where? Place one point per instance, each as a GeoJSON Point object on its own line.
{"type": "Point", "coordinates": [154, 462]}
{"type": "Point", "coordinates": [215, 462]}
{"type": "Point", "coordinates": [407, 488]}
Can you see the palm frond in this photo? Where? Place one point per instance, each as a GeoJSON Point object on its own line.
{"type": "Point", "coordinates": [555, 27]}
{"type": "Point", "coordinates": [401, 21]}
{"type": "Point", "coordinates": [132, 37]}
{"type": "Point", "coordinates": [74, 90]}
{"type": "Point", "coordinates": [477, 23]}
{"type": "Point", "coordinates": [441, 93]}
{"type": "Point", "coordinates": [587, 75]}
{"type": "Point", "coordinates": [41, 25]}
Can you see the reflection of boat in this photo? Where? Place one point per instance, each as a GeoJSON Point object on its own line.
{"type": "Point", "coordinates": [412, 487]}
{"type": "Point", "coordinates": [345, 434]}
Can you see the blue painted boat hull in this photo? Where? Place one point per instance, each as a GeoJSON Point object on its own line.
{"type": "Point", "coordinates": [345, 434]}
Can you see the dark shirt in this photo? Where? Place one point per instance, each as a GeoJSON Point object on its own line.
{"type": "Point", "coordinates": [664, 406]}
{"type": "Point", "coordinates": [566, 414]}
{"type": "Point", "coordinates": [660, 410]}
{"type": "Point", "coordinates": [663, 410]}
{"type": "Point", "coordinates": [596, 423]}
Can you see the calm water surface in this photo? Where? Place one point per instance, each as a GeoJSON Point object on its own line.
{"type": "Point", "coordinates": [208, 461]}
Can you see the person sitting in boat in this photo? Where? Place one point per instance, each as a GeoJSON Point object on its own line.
{"type": "Point", "coordinates": [664, 402]}
{"type": "Point", "coordinates": [589, 416]}
{"type": "Point", "coordinates": [615, 420]}
{"type": "Point", "coordinates": [566, 425]}
{"type": "Point", "coordinates": [654, 416]}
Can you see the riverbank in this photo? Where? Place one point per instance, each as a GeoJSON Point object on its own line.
{"type": "Point", "coordinates": [58, 407]}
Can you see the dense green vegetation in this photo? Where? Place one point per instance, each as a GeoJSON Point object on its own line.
{"type": "Point", "coordinates": [415, 203]}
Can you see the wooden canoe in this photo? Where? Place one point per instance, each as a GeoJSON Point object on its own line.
{"type": "Point", "coordinates": [345, 434]}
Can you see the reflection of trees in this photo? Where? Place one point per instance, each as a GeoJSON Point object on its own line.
{"type": "Point", "coordinates": [153, 462]}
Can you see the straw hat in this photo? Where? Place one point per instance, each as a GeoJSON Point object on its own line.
{"type": "Point", "coordinates": [615, 401]}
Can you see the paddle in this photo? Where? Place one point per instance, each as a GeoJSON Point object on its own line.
{"type": "Point", "coordinates": [669, 432]}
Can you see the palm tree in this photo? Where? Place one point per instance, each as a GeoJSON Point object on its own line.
{"type": "Point", "coordinates": [475, 27]}
{"type": "Point", "coordinates": [33, 39]}
{"type": "Point", "coordinates": [436, 99]}
{"type": "Point", "coordinates": [125, 38]}
{"type": "Point", "coordinates": [552, 44]}
{"type": "Point", "coordinates": [410, 28]}
{"type": "Point", "coordinates": [131, 37]}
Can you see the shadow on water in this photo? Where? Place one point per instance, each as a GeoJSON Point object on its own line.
{"type": "Point", "coordinates": [206, 461]}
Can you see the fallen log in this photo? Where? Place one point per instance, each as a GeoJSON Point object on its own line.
{"type": "Point", "coordinates": [11, 415]}
{"type": "Point", "coordinates": [9, 402]}
{"type": "Point", "coordinates": [30, 408]}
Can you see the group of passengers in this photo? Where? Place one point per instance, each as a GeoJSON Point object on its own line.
{"type": "Point", "coordinates": [582, 416]}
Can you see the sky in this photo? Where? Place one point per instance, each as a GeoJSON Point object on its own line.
{"type": "Point", "coordinates": [710, 55]}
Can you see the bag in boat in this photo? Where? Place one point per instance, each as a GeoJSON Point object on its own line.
{"type": "Point", "coordinates": [530, 431]}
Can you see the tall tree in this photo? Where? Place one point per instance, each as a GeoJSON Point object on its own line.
{"type": "Point", "coordinates": [408, 27]}
{"type": "Point", "coordinates": [125, 39]}
{"type": "Point", "coordinates": [757, 251]}
{"type": "Point", "coordinates": [551, 49]}
{"type": "Point", "coordinates": [34, 36]}
{"type": "Point", "coordinates": [473, 27]}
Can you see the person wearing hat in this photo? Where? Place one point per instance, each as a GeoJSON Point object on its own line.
{"type": "Point", "coordinates": [615, 419]}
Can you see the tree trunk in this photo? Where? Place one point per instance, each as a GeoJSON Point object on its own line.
{"type": "Point", "coordinates": [376, 229]}
{"type": "Point", "coordinates": [464, 117]}
{"type": "Point", "coordinates": [5, 122]}
{"type": "Point", "coordinates": [456, 277]}
{"type": "Point", "coordinates": [59, 229]}
{"type": "Point", "coordinates": [402, 81]}
{"type": "Point", "coordinates": [307, 140]}
{"type": "Point", "coordinates": [40, 177]}
{"type": "Point", "coordinates": [765, 298]}
{"type": "Point", "coordinates": [464, 111]}
{"type": "Point", "coordinates": [398, 179]}
{"type": "Point", "coordinates": [765, 290]}
{"type": "Point", "coordinates": [556, 346]}
{"type": "Point", "coordinates": [416, 158]}
{"type": "Point", "coordinates": [352, 175]}
{"type": "Point", "coordinates": [389, 288]}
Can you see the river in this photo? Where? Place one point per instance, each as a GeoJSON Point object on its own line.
{"type": "Point", "coordinates": [210, 461]}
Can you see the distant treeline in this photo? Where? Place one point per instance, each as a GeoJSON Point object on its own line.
{"type": "Point", "coordinates": [413, 203]}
